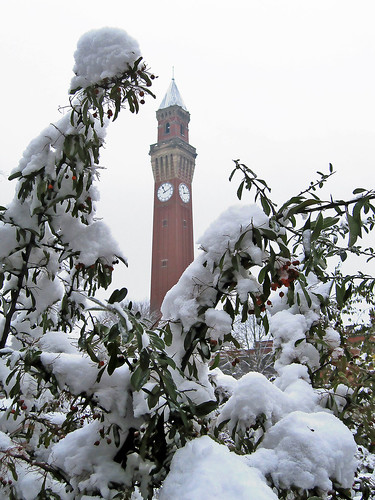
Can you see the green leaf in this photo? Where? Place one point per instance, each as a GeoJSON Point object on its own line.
{"type": "Point", "coordinates": [300, 208]}
{"type": "Point", "coordinates": [318, 226]}
{"type": "Point", "coordinates": [118, 296]}
{"type": "Point", "coordinates": [112, 365]}
{"type": "Point", "coordinates": [15, 175]}
{"type": "Point", "coordinates": [91, 353]}
{"type": "Point", "coordinates": [354, 230]}
{"type": "Point", "coordinates": [271, 235]}
{"type": "Point", "coordinates": [240, 189]}
{"type": "Point", "coordinates": [116, 434]}
{"type": "Point", "coordinates": [265, 323]}
{"type": "Point", "coordinates": [228, 308]}
{"type": "Point", "coordinates": [265, 205]}
{"type": "Point", "coordinates": [306, 294]}
{"type": "Point", "coordinates": [156, 341]}
{"type": "Point", "coordinates": [262, 274]}
{"type": "Point", "coordinates": [216, 362]}
{"type": "Point", "coordinates": [12, 468]}
{"type": "Point", "coordinates": [170, 386]}
{"type": "Point", "coordinates": [139, 378]}
{"type": "Point", "coordinates": [205, 408]}
{"type": "Point", "coordinates": [167, 335]}
{"type": "Point", "coordinates": [204, 350]}
{"type": "Point", "coordinates": [113, 333]}
{"type": "Point", "coordinates": [340, 291]}
{"type": "Point", "coordinates": [144, 359]}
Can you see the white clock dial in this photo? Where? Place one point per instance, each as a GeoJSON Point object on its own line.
{"type": "Point", "coordinates": [184, 192]}
{"type": "Point", "coordinates": [165, 191]}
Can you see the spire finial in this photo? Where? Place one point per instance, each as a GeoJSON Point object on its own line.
{"type": "Point", "coordinates": [172, 72]}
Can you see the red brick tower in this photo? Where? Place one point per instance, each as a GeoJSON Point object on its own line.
{"type": "Point", "coordinates": [173, 163]}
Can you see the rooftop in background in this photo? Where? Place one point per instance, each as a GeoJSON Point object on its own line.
{"type": "Point", "coordinates": [172, 97]}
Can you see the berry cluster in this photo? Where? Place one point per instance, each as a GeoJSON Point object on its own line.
{"type": "Point", "coordinates": [286, 274]}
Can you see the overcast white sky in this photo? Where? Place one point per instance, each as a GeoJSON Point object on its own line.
{"type": "Point", "coordinates": [287, 86]}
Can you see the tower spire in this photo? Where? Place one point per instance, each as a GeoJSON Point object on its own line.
{"type": "Point", "coordinates": [172, 97]}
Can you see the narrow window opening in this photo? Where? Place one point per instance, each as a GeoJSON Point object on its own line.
{"type": "Point", "coordinates": [164, 263]}
{"type": "Point", "coordinates": [184, 223]}
{"type": "Point", "coordinates": [167, 128]}
{"type": "Point", "coordinates": [165, 222]}
{"type": "Point", "coordinates": [182, 130]}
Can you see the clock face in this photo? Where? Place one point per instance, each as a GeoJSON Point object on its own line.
{"type": "Point", "coordinates": [165, 191]}
{"type": "Point", "coordinates": [184, 192]}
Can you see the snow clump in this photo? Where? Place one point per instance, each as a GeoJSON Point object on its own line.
{"type": "Point", "coordinates": [307, 451]}
{"type": "Point", "coordinates": [206, 470]}
{"type": "Point", "coordinates": [103, 53]}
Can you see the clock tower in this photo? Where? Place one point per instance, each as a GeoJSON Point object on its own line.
{"type": "Point", "coordinates": [173, 163]}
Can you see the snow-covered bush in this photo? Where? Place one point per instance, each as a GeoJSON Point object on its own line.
{"type": "Point", "coordinates": [120, 411]}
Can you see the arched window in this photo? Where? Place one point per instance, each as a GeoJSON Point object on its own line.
{"type": "Point", "coordinates": [167, 128]}
{"type": "Point", "coordinates": [182, 130]}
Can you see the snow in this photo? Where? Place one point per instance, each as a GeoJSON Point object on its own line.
{"type": "Point", "coordinates": [5, 442]}
{"type": "Point", "coordinates": [254, 396]}
{"type": "Point", "coordinates": [307, 451]}
{"type": "Point", "coordinates": [224, 384]}
{"type": "Point", "coordinates": [224, 233]}
{"type": "Point", "coordinates": [219, 323]}
{"type": "Point", "coordinates": [332, 338]}
{"type": "Point", "coordinates": [92, 242]}
{"type": "Point", "coordinates": [56, 342]}
{"type": "Point", "coordinates": [83, 451]}
{"type": "Point", "coordinates": [103, 53]}
{"type": "Point", "coordinates": [289, 333]}
{"type": "Point", "coordinates": [206, 470]}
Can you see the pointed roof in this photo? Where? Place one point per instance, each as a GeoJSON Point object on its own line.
{"type": "Point", "coordinates": [172, 97]}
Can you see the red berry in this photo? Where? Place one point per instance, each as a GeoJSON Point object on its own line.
{"type": "Point", "coordinates": [285, 282]}
{"type": "Point", "coordinates": [269, 303]}
{"type": "Point", "coordinates": [97, 443]}
{"type": "Point", "coordinates": [142, 101]}
{"type": "Point", "coordinates": [23, 407]}
{"type": "Point", "coordinates": [109, 441]}
{"type": "Point", "coordinates": [141, 93]}
{"type": "Point", "coordinates": [296, 263]}
{"type": "Point", "coordinates": [96, 91]}
{"type": "Point", "coordinates": [95, 115]}
{"type": "Point", "coordinates": [74, 178]}
{"type": "Point", "coordinates": [101, 363]}
{"type": "Point", "coordinates": [281, 294]}
{"type": "Point", "coordinates": [213, 342]}
{"type": "Point", "coordinates": [50, 186]}
{"type": "Point", "coordinates": [274, 286]}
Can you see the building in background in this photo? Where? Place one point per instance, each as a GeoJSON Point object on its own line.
{"type": "Point", "coordinates": [173, 163]}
